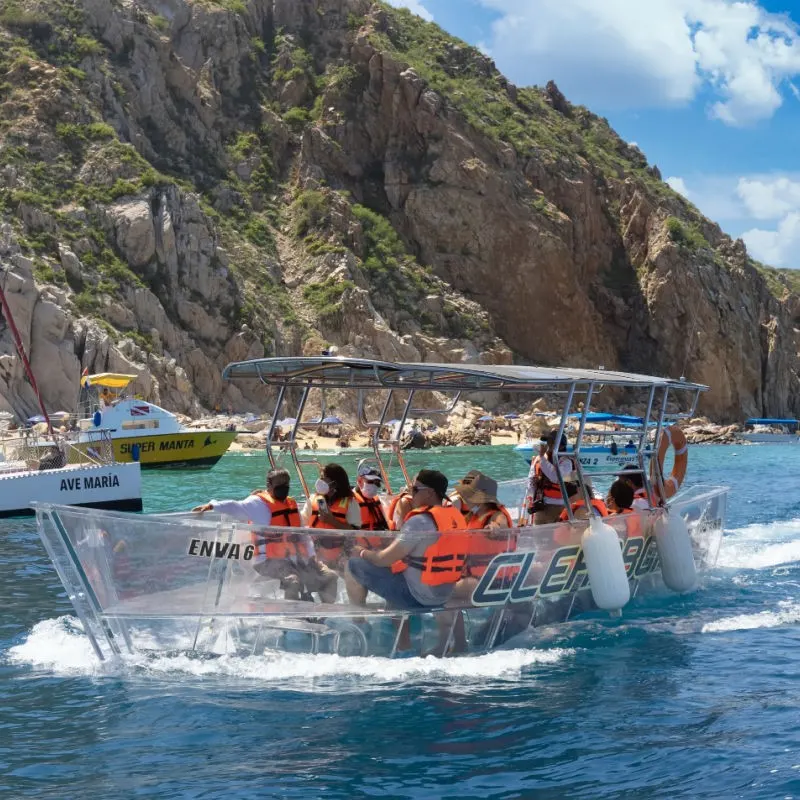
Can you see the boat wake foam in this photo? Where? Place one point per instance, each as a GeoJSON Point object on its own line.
{"type": "Point", "coordinates": [761, 545]}
{"type": "Point", "coordinates": [787, 613]}
{"type": "Point", "coordinates": [59, 646]}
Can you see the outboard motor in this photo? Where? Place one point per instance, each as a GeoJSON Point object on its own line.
{"type": "Point", "coordinates": [603, 555]}
{"type": "Point", "coordinates": [675, 553]}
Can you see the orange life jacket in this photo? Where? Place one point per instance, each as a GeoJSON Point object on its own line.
{"type": "Point", "coordinates": [285, 514]}
{"type": "Point", "coordinates": [393, 507]}
{"type": "Point", "coordinates": [329, 547]}
{"type": "Point", "coordinates": [598, 505]}
{"type": "Point", "coordinates": [443, 561]}
{"type": "Point", "coordinates": [482, 548]}
{"type": "Point", "coordinates": [547, 487]}
{"type": "Point", "coordinates": [372, 519]}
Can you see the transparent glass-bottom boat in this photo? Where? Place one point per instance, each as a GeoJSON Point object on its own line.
{"type": "Point", "coordinates": [166, 583]}
{"type": "Point", "coordinates": [183, 582]}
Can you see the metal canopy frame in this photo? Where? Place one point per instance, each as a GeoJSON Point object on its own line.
{"type": "Point", "coordinates": [407, 379]}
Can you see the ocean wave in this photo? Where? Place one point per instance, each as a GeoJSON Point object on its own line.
{"type": "Point", "coordinates": [761, 545]}
{"type": "Point", "coordinates": [60, 646]}
{"type": "Point", "coordinates": [787, 613]}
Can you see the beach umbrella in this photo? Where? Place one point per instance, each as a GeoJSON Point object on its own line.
{"type": "Point", "coordinates": [36, 420]}
{"type": "Point", "coordinates": [486, 418]}
{"type": "Point", "coordinates": [392, 422]}
{"type": "Point", "coordinates": [331, 421]}
{"type": "Point", "coordinates": [285, 423]}
{"type": "Point", "coordinates": [511, 416]}
{"type": "Point", "coordinates": [314, 421]}
{"type": "Point", "coordinates": [60, 415]}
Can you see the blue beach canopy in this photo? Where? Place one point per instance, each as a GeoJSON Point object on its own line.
{"type": "Point", "coordinates": [599, 416]}
{"type": "Point", "coordinates": [770, 421]}
{"type": "Point", "coordinates": [511, 416]}
{"type": "Point", "coordinates": [331, 421]}
{"type": "Point", "coordinates": [485, 418]}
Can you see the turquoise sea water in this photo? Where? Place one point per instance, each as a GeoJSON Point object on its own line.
{"type": "Point", "coordinates": [682, 697]}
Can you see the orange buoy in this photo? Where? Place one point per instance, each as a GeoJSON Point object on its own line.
{"type": "Point", "coordinates": [673, 436]}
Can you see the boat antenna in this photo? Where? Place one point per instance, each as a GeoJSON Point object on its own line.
{"type": "Point", "coordinates": [21, 351]}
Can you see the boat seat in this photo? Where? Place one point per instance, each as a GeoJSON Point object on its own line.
{"type": "Point", "coordinates": [314, 629]}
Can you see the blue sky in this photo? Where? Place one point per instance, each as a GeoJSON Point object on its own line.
{"type": "Point", "coordinates": [708, 89]}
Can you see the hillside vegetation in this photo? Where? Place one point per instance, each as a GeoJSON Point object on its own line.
{"type": "Point", "coordinates": [190, 182]}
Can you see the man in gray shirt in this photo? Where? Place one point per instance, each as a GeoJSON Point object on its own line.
{"type": "Point", "coordinates": [405, 590]}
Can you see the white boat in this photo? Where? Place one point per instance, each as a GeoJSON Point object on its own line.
{"type": "Point", "coordinates": [613, 445]}
{"type": "Point", "coordinates": [142, 431]}
{"type": "Point", "coordinates": [769, 430]}
{"type": "Point", "coordinates": [90, 480]}
{"type": "Point", "coordinates": [148, 584]}
{"type": "Point", "coordinates": [46, 468]}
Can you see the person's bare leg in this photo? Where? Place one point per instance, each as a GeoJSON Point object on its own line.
{"type": "Point", "coordinates": [355, 591]}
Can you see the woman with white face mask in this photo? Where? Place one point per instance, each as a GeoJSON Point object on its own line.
{"type": "Point", "coordinates": [333, 507]}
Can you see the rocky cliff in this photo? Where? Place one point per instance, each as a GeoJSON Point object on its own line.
{"type": "Point", "coordinates": [185, 183]}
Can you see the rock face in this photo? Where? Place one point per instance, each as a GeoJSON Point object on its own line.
{"type": "Point", "coordinates": [184, 185]}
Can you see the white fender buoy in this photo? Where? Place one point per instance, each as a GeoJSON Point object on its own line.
{"type": "Point", "coordinates": [674, 545]}
{"type": "Point", "coordinates": [603, 556]}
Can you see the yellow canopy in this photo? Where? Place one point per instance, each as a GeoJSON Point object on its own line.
{"type": "Point", "coordinates": [110, 380]}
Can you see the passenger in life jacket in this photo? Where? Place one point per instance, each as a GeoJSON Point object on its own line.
{"type": "Point", "coordinates": [484, 512]}
{"type": "Point", "coordinates": [578, 505]}
{"type": "Point", "coordinates": [424, 562]}
{"type": "Point", "coordinates": [476, 496]}
{"type": "Point", "coordinates": [633, 477]}
{"type": "Point", "coordinates": [544, 491]}
{"type": "Point", "coordinates": [430, 560]}
{"type": "Point", "coordinates": [368, 487]}
{"type": "Point", "coordinates": [333, 508]}
{"type": "Point", "coordinates": [620, 501]}
{"type": "Point", "coordinates": [399, 508]}
{"type": "Point", "coordinates": [284, 556]}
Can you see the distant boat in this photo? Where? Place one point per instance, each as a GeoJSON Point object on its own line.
{"type": "Point", "coordinates": [610, 448]}
{"type": "Point", "coordinates": [141, 431]}
{"type": "Point", "coordinates": [768, 429]}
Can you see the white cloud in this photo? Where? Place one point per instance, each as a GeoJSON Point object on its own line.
{"type": "Point", "coordinates": [769, 197]}
{"type": "Point", "coordinates": [779, 247]}
{"type": "Point", "coordinates": [415, 6]}
{"type": "Point", "coordinates": [679, 185]}
{"type": "Point", "coordinates": [634, 53]}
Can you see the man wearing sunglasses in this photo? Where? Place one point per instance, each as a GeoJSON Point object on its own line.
{"type": "Point", "coordinates": [423, 563]}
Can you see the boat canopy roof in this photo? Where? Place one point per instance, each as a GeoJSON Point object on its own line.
{"type": "Point", "coordinates": [770, 421]}
{"type": "Point", "coordinates": [363, 373]}
{"type": "Point", "coordinates": [110, 380]}
{"type": "Point", "coordinates": [600, 416]}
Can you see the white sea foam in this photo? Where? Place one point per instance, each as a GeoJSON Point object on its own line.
{"type": "Point", "coordinates": [761, 545]}
{"type": "Point", "coordinates": [59, 646]}
{"type": "Point", "coordinates": [787, 613]}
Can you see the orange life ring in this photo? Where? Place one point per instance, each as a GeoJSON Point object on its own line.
{"type": "Point", "coordinates": [673, 436]}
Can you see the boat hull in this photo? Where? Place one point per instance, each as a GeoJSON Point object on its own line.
{"type": "Point", "coordinates": [771, 438]}
{"type": "Point", "coordinates": [191, 583]}
{"type": "Point", "coordinates": [194, 449]}
{"type": "Point", "coordinates": [113, 487]}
